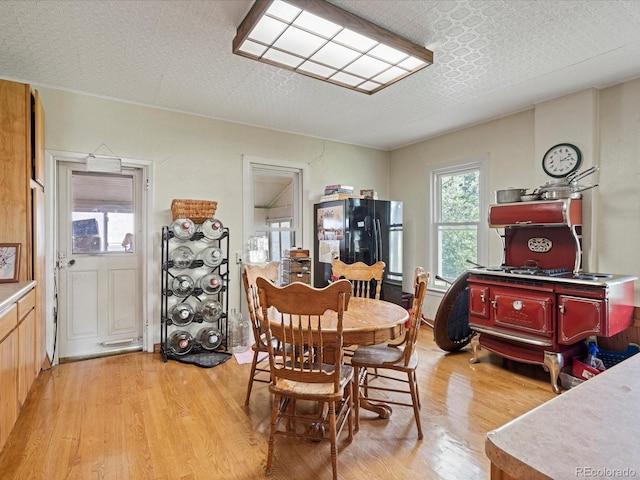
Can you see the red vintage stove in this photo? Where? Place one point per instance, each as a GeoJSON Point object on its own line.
{"type": "Point", "coordinates": [539, 306]}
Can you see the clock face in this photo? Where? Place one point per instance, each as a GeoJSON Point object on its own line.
{"type": "Point", "coordinates": [561, 160]}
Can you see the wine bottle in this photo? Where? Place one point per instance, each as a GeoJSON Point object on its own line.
{"type": "Point", "coordinates": [180, 342]}
{"type": "Point", "coordinates": [181, 314]}
{"type": "Point", "coordinates": [211, 310]}
{"type": "Point", "coordinates": [209, 338]}
{"type": "Point", "coordinates": [212, 229]}
{"type": "Point", "coordinates": [210, 283]}
{"type": "Point", "coordinates": [183, 228]}
{"type": "Point", "coordinates": [182, 257]}
{"type": "Point", "coordinates": [182, 286]}
{"type": "Point", "coordinates": [211, 256]}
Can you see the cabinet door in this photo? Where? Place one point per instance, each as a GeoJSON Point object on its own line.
{"type": "Point", "coordinates": [479, 301]}
{"type": "Point", "coordinates": [26, 356]}
{"type": "Point", "coordinates": [39, 274]}
{"type": "Point", "coordinates": [8, 385]}
{"type": "Point", "coordinates": [15, 211]}
{"type": "Point", "coordinates": [579, 317]}
{"type": "Point", "coordinates": [523, 310]}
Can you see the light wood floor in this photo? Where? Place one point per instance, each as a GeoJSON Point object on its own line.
{"type": "Point", "coordinates": [134, 417]}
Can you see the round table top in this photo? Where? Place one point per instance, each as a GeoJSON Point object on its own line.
{"type": "Point", "coordinates": [366, 321]}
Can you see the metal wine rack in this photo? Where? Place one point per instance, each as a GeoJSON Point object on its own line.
{"type": "Point", "coordinates": [198, 353]}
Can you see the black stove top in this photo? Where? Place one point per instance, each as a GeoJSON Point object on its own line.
{"type": "Point", "coordinates": [554, 274]}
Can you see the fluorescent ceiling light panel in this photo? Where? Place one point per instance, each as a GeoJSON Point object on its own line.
{"type": "Point", "coordinates": [316, 69]}
{"type": "Point", "coordinates": [310, 37]}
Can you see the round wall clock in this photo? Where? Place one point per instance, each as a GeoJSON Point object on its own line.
{"type": "Point", "coordinates": [561, 160]}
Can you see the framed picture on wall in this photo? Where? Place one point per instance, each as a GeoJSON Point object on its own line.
{"type": "Point", "coordinates": [9, 262]}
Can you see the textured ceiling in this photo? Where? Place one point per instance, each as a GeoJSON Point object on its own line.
{"type": "Point", "coordinates": [491, 58]}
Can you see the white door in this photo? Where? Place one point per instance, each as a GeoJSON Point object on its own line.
{"type": "Point", "coordinates": [100, 281]}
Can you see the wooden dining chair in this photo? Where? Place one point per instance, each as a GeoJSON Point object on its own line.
{"type": "Point", "coordinates": [309, 322]}
{"type": "Point", "coordinates": [250, 273]}
{"type": "Point", "coordinates": [383, 359]}
{"type": "Point", "coordinates": [361, 276]}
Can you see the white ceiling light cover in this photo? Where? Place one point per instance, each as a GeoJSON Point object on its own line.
{"type": "Point", "coordinates": [307, 36]}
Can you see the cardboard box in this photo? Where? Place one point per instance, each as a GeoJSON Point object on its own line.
{"type": "Point", "coordinates": [298, 253]}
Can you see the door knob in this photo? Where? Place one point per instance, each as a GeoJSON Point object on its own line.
{"type": "Point", "coordinates": [71, 263]}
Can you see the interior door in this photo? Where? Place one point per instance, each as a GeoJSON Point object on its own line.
{"type": "Point", "coordinates": [99, 263]}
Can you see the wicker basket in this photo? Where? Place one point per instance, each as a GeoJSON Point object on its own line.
{"type": "Point", "coordinates": [196, 210]}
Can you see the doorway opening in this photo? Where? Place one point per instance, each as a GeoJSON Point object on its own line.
{"type": "Point", "coordinates": [276, 205]}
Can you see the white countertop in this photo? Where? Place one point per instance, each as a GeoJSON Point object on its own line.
{"type": "Point", "coordinates": [10, 292]}
{"type": "Point", "coordinates": [590, 431]}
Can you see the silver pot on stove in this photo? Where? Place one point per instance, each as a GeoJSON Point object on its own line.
{"type": "Point", "coordinates": [510, 195]}
{"type": "Point", "coordinates": [564, 191]}
{"type": "Point", "coordinates": [567, 187]}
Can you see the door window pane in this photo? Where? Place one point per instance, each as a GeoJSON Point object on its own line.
{"type": "Point", "coordinates": [102, 213]}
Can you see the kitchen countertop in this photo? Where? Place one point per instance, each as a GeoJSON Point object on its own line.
{"type": "Point", "coordinates": [592, 430]}
{"type": "Point", "coordinates": [10, 292]}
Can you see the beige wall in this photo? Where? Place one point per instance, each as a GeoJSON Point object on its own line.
{"type": "Point", "coordinates": [509, 144]}
{"type": "Point", "coordinates": [196, 157]}
{"type": "Point", "coordinates": [605, 125]}
{"type": "Point", "coordinates": [616, 216]}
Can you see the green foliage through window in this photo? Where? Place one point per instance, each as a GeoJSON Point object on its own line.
{"type": "Point", "coordinates": [457, 219]}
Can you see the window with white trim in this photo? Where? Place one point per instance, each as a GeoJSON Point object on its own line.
{"type": "Point", "coordinates": [458, 230]}
{"type": "Point", "coordinates": [281, 237]}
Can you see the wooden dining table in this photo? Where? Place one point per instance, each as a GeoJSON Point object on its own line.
{"type": "Point", "coordinates": [366, 321]}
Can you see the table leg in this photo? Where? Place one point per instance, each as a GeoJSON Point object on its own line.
{"type": "Point", "coordinates": [383, 410]}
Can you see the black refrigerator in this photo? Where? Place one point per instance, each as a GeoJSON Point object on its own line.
{"type": "Point", "coordinates": [360, 230]}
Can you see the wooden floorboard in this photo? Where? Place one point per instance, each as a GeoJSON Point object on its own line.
{"type": "Point", "coordinates": [135, 417]}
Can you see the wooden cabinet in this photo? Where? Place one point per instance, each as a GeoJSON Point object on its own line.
{"type": "Point", "coordinates": [8, 385]}
{"type": "Point", "coordinates": [296, 270]}
{"type": "Point", "coordinates": [15, 171]}
{"type": "Point", "coordinates": [39, 275]}
{"type": "Point", "coordinates": [22, 218]}
{"type": "Point", "coordinates": [26, 345]}
{"type": "Point", "coordinates": [22, 172]}
{"type": "Point", "coordinates": [17, 351]}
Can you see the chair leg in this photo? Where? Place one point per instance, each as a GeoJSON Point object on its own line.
{"type": "Point", "coordinates": [415, 401]}
{"type": "Point", "coordinates": [254, 365]}
{"type": "Point", "coordinates": [350, 388]}
{"type": "Point", "coordinates": [332, 434]}
{"type": "Point", "coordinates": [355, 384]}
{"type": "Point", "coordinates": [415, 381]}
{"type": "Point", "coordinates": [272, 434]}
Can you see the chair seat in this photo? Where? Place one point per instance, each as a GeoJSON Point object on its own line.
{"type": "Point", "coordinates": [383, 356]}
{"type": "Point", "coordinates": [310, 391]}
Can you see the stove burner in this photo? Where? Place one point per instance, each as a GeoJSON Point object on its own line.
{"type": "Point", "coordinates": [585, 276]}
{"type": "Point", "coordinates": [591, 276]}
{"type": "Point", "coordinates": [549, 272]}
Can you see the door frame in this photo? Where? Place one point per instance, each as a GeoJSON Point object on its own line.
{"type": "Point", "coordinates": [249, 163]}
{"type": "Point", "coordinates": [145, 244]}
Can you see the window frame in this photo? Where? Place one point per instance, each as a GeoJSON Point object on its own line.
{"type": "Point", "coordinates": [279, 230]}
{"type": "Point", "coordinates": [478, 163]}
